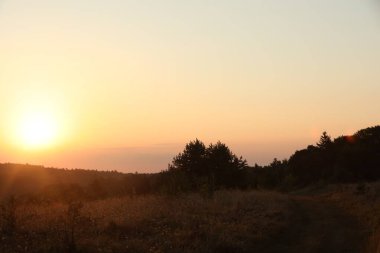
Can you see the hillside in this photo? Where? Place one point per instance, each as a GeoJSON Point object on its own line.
{"type": "Point", "coordinates": [208, 200]}
{"type": "Point", "coordinates": [17, 179]}
{"type": "Point", "coordinates": [345, 159]}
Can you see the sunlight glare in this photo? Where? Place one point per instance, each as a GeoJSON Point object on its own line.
{"type": "Point", "coordinates": [37, 130]}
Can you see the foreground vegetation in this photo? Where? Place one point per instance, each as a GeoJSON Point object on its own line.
{"type": "Point", "coordinates": [232, 221]}
{"type": "Point", "coordinates": [363, 202]}
{"type": "Point", "coordinates": [336, 218]}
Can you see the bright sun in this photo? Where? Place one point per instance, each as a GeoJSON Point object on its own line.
{"type": "Point", "coordinates": [37, 130]}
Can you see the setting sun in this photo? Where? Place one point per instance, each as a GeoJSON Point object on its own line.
{"type": "Point", "coordinates": [37, 130]}
{"type": "Point", "coordinates": [189, 126]}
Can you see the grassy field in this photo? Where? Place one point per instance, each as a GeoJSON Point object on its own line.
{"type": "Point", "coordinates": [363, 202]}
{"type": "Point", "coordinates": [230, 221]}
{"type": "Point", "coordinates": [336, 218]}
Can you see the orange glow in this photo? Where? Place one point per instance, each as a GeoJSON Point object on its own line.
{"type": "Point", "coordinates": [37, 130]}
{"type": "Point", "coordinates": [124, 85]}
{"type": "Point", "coordinates": [350, 138]}
{"type": "Point", "coordinates": [35, 125]}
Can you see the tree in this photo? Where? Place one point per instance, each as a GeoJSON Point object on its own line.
{"type": "Point", "coordinates": [224, 166]}
{"type": "Point", "coordinates": [192, 159]}
{"type": "Point", "coordinates": [215, 165]}
{"type": "Point", "coordinates": [325, 141]}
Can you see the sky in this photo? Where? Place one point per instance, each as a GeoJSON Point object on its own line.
{"type": "Point", "coordinates": [125, 84]}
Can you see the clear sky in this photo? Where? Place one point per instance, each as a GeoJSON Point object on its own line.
{"type": "Point", "coordinates": [124, 84]}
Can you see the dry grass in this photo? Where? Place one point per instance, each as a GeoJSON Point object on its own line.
{"type": "Point", "coordinates": [231, 221]}
{"type": "Point", "coordinates": [362, 201]}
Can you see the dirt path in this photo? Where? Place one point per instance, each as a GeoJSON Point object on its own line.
{"type": "Point", "coordinates": [318, 226]}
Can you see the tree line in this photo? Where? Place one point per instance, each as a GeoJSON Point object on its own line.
{"type": "Point", "coordinates": [346, 159]}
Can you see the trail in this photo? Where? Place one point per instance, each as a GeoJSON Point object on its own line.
{"type": "Point", "coordinates": [318, 226]}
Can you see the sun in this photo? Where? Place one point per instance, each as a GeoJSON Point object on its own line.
{"type": "Point", "coordinates": [37, 130]}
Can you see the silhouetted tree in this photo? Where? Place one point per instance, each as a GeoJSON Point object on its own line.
{"type": "Point", "coordinates": [325, 141]}
{"type": "Point", "coordinates": [353, 158]}
{"type": "Point", "coordinates": [224, 167]}
{"type": "Point", "coordinates": [192, 159]}
{"type": "Point", "coordinates": [215, 166]}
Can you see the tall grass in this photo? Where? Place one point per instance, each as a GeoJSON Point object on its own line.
{"type": "Point", "coordinates": [363, 201]}
{"type": "Point", "coordinates": [230, 221]}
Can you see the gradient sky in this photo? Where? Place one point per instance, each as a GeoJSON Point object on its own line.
{"type": "Point", "coordinates": [130, 82]}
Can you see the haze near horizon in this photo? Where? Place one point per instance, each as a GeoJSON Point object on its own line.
{"type": "Point", "coordinates": [126, 84]}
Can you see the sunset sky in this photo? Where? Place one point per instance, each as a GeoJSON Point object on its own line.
{"type": "Point", "coordinates": [125, 84]}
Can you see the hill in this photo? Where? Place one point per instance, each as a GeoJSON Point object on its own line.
{"type": "Point", "coordinates": [208, 200]}
{"type": "Point", "coordinates": [51, 183]}
{"type": "Point", "coordinates": [346, 159]}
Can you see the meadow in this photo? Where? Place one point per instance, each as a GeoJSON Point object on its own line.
{"type": "Point", "coordinates": [363, 202]}
{"type": "Point", "coordinates": [229, 221]}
